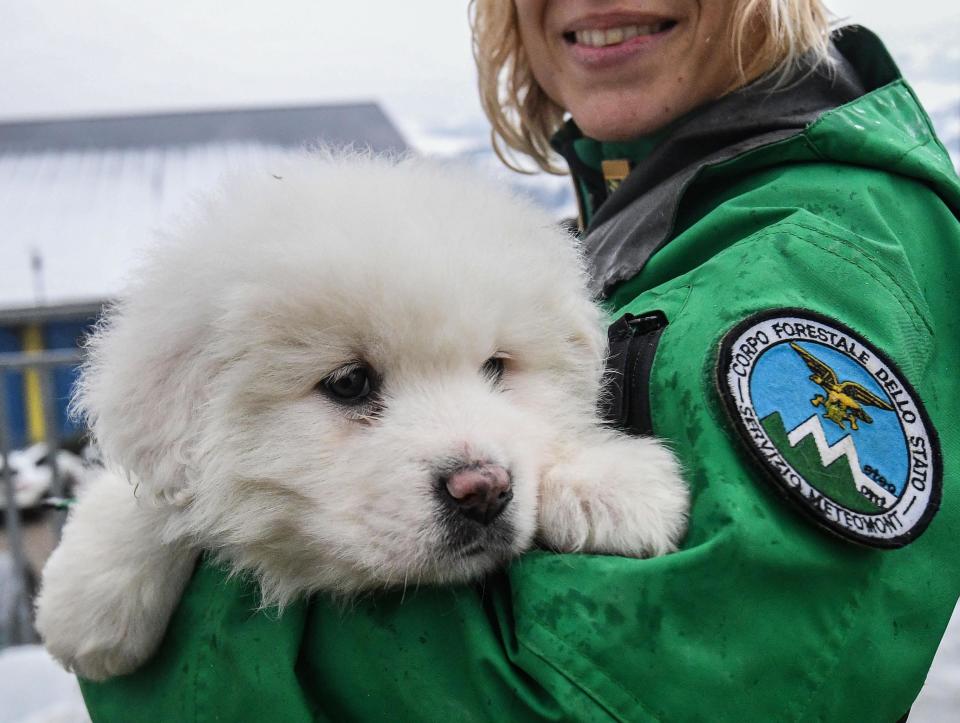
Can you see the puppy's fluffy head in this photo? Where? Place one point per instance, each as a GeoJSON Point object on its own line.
{"type": "Point", "coordinates": [305, 365]}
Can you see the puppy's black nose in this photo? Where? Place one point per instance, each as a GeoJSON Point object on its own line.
{"type": "Point", "coordinates": [479, 492]}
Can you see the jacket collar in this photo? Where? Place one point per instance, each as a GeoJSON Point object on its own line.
{"type": "Point", "coordinates": [637, 219]}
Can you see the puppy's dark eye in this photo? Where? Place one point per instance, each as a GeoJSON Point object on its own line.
{"type": "Point", "coordinates": [493, 368]}
{"type": "Point", "coordinates": [350, 384]}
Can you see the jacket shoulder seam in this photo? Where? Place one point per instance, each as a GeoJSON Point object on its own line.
{"type": "Point", "coordinates": [862, 261]}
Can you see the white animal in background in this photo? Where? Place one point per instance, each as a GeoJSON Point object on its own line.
{"type": "Point", "coordinates": [341, 375]}
{"type": "Point", "coordinates": [32, 474]}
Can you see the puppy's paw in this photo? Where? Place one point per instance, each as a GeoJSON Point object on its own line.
{"type": "Point", "coordinates": [111, 585]}
{"type": "Point", "coordinates": [106, 616]}
{"type": "Point", "coordinates": [95, 634]}
{"type": "Point", "coordinates": [624, 496]}
{"type": "Point", "coordinates": [98, 654]}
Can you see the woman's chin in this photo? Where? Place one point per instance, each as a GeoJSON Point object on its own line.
{"type": "Point", "coordinates": [621, 119]}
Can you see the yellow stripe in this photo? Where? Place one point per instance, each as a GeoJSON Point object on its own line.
{"type": "Point", "coordinates": [32, 394]}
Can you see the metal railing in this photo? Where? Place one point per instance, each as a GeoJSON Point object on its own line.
{"type": "Point", "coordinates": [18, 628]}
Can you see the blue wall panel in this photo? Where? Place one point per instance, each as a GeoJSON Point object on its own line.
{"type": "Point", "coordinates": [13, 383]}
{"type": "Point", "coordinates": [56, 335]}
{"type": "Point", "coordinates": [65, 335]}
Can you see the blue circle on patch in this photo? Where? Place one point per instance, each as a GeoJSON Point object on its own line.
{"type": "Point", "coordinates": [834, 423]}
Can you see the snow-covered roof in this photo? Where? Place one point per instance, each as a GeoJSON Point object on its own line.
{"type": "Point", "coordinates": [81, 197]}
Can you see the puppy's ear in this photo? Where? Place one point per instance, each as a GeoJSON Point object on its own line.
{"type": "Point", "coordinates": [142, 392]}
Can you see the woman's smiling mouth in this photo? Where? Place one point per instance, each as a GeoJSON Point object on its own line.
{"type": "Point", "coordinates": [605, 42]}
{"type": "Point", "coordinates": [605, 37]}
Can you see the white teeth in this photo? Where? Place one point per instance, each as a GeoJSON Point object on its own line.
{"type": "Point", "coordinates": [614, 36]}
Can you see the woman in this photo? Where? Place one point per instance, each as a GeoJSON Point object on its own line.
{"type": "Point", "coordinates": [777, 216]}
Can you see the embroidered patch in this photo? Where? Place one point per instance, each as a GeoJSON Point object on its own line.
{"type": "Point", "coordinates": [834, 423]}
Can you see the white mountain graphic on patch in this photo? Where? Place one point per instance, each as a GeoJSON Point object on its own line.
{"type": "Point", "coordinates": [829, 454]}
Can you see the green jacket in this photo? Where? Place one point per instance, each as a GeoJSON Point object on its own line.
{"type": "Point", "coordinates": [770, 611]}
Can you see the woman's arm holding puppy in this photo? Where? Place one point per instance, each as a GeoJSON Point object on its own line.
{"type": "Point", "coordinates": [110, 587]}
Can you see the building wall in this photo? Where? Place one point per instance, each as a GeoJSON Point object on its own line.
{"type": "Point", "coordinates": [24, 408]}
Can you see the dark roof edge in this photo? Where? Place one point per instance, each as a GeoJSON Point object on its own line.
{"type": "Point", "coordinates": [363, 125]}
{"type": "Point", "coordinates": [70, 311]}
{"type": "Point", "coordinates": [184, 112]}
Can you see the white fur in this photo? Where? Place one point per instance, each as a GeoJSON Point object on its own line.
{"type": "Point", "coordinates": [201, 388]}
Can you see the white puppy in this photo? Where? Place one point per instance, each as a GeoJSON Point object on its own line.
{"type": "Point", "coordinates": [342, 375]}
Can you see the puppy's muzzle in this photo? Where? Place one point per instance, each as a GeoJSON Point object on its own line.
{"type": "Point", "coordinates": [479, 492]}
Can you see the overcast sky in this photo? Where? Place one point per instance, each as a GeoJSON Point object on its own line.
{"type": "Point", "coordinates": [104, 56]}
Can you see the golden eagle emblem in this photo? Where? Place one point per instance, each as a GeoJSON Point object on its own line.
{"type": "Point", "coordinates": [845, 400]}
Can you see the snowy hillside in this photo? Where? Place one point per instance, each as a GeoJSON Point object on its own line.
{"type": "Point", "coordinates": [468, 140]}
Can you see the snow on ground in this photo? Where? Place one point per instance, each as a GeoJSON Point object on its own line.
{"type": "Point", "coordinates": [34, 689]}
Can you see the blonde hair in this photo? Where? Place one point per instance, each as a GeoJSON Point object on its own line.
{"type": "Point", "coordinates": [793, 34]}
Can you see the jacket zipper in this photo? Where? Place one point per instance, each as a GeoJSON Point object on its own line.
{"type": "Point", "coordinates": [633, 341]}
